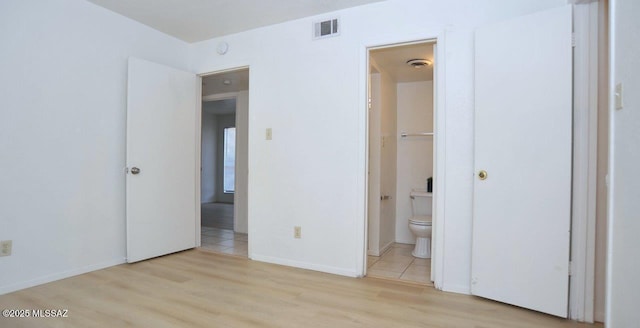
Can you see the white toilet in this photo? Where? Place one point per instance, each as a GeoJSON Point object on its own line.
{"type": "Point", "coordinates": [420, 223]}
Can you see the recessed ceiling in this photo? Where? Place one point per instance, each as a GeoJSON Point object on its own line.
{"type": "Point", "coordinates": [198, 20]}
{"type": "Point", "coordinates": [220, 107]}
{"type": "Point", "coordinates": [215, 84]}
{"type": "Point", "coordinates": [393, 60]}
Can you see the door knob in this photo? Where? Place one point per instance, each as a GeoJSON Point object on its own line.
{"type": "Point", "coordinates": [135, 170]}
{"type": "Point", "coordinates": [482, 175]}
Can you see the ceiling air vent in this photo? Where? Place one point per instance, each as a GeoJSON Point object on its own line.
{"type": "Point", "coordinates": [325, 28]}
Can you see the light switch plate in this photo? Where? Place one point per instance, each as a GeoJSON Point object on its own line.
{"type": "Point", "coordinates": [269, 134]}
{"type": "Point", "coordinates": [5, 247]}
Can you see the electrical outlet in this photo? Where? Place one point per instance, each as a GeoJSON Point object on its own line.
{"type": "Point", "coordinates": [297, 232]}
{"type": "Point", "coordinates": [5, 247]}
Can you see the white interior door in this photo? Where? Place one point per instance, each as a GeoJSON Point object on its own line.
{"type": "Point", "coordinates": [523, 129]}
{"type": "Point", "coordinates": [161, 143]}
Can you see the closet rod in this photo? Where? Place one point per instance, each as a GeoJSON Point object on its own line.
{"type": "Point", "coordinates": [419, 134]}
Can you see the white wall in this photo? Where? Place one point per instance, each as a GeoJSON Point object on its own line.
{"type": "Point", "coordinates": [317, 155]}
{"type": "Point", "coordinates": [209, 154]}
{"type": "Point", "coordinates": [62, 134]}
{"type": "Point", "coordinates": [623, 285]}
{"type": "Point", "coordinates": [415, 154]}
{"type": "Point", "coordinates": [242, 153]}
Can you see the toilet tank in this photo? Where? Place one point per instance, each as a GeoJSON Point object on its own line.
{"type": "Point", "coordinates": [421, 202]}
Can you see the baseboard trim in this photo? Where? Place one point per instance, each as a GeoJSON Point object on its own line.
{"type": "Point", "coordinates": [386, 247]}
{"type": "Point", "coordinates": [58, 276]}
{"type": "Point", "coordinates": [458, 289]}
{"type": "Point", "coordinates": [305, 265]}
{"type": "Point", "coordinates": [383, 249]}
{"type": "Point", "coordinates": [599, 316]}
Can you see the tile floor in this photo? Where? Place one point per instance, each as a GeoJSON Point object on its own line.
{"type": "Point", "coordinates": [398, 263]}
{"type": "Point", "coordinates": [224, 241]}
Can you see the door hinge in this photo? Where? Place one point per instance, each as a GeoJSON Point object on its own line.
{"type": "Point", "coordinates": [126, 170]}
{"type": "Point", "coordinates": [573, 40]}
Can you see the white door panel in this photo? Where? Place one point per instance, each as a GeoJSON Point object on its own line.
{"type": "Point", "coordinates": [523, 129]}
{"type": "Point", "coordinates": [161, 142]}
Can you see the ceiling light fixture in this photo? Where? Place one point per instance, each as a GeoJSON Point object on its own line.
{"type": "Point", "coordinates": [418, 63]}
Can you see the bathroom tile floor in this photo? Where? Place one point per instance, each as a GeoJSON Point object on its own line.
{"type": "Point", "coordinates": [398, 263]}
{"type": "Point", "coordinates": [224, 241]}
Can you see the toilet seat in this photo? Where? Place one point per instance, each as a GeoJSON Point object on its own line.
{"type": "Point", "coordinates": [421, 220]}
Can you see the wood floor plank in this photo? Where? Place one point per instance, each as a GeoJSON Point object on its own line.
{"type": "Point", "coordinates": [198, 288]}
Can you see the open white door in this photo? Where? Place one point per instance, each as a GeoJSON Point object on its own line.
{"type": "Point", "coordinates": [523, 129]}
{"type": "Point", "coordinates": [161, 146]}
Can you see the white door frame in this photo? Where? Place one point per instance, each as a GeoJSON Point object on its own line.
{"type": "Point", "coordinates": [199, 145]}
{"type": "Point", "coordinates": [585, 152]}
{"type": "Point", "coordinates": [437, 254]}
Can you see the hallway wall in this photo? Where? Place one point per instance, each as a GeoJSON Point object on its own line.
{"type": "Point", "coordinates": [209, 155]}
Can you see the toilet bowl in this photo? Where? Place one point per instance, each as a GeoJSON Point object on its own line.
{"type": "Point", "coordinates": [420, 222]}
{"type": "Point", "coordinates": [420, 226]}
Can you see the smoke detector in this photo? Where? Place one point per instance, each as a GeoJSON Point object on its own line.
{"type": "Point", "coordinates": [418, 63]}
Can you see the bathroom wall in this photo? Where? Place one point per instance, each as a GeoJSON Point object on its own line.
{"type": "Point", "coordinates": [415, 154]}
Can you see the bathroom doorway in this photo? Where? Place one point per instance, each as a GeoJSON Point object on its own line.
{"type": "Point", "coordinates": [401, 160]}
{"type": "Point", "coordinates": [224, 149]}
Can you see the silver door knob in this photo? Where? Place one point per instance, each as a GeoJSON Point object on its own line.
{"type": "Point", "coordinates": [135, 170]}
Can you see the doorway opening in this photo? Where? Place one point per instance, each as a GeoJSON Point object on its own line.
{"type": "Point", "coordinates": [224, 150]}
{"type": "Point", "coordinates": [401, 161]}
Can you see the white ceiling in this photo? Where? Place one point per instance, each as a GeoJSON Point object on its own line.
{"type": "Point", "coordinates": [198, 20]}
{"type": "Point", "coordinates": [393, 60]}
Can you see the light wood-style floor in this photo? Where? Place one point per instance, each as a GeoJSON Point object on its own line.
{"type": "Point", "coordinates": [197, 288]}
